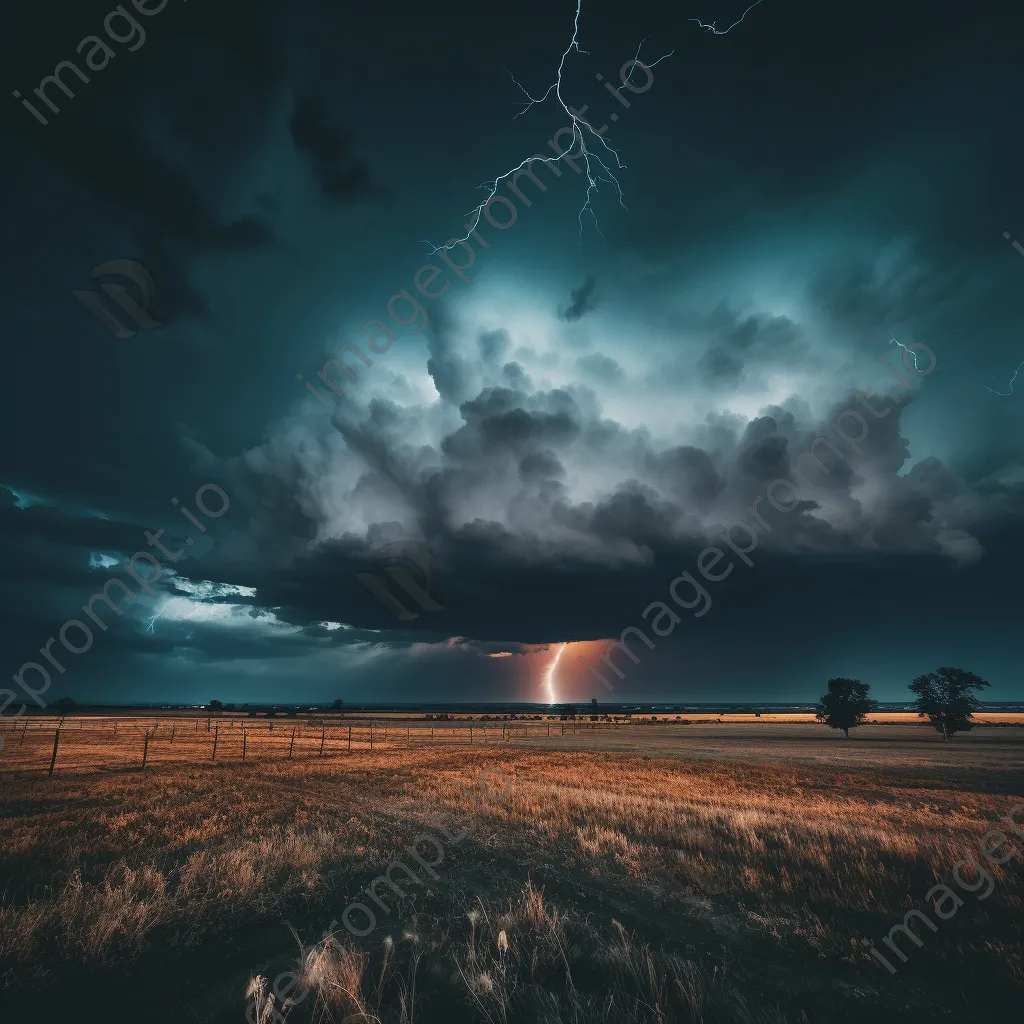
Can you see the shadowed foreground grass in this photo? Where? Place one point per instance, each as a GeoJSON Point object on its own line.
{"type": "Point", "coordinates": [608, 887]}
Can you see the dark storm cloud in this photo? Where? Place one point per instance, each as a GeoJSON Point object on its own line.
{"type": "Point", "coordinates": [121, 146]}
{"type": "Point", "coordinates": [452, 373]}
{"type": "Point", "coordinates": [862, 296]}
{"type": "Point", "coordinates": [48, 573]}
{"type": "Point", "coordinates": [581, 301]}
{"type": "Point", "coordinates": [65, 528]}
{"type": "Point", "coordinates": [764, 452]}
{"type": "Point", "coordinates": [690, 474]}
{"type": "Point", "coordinates": [501, 420]}
{"type": "Point", "coordinates": [163, 207]}
{"type": "Point", "coordinates": [542, 465]}
{"type": "Point", "coordinates": [330, 150]}
{"type": "Point", "coordinates": [721, 366]}
{"type": "Point", "coordinates": [601, 367]}
{"type": "Point", "coordinates": [516, 377]}
{"type": "Point", "coordinates": [494, 501]}
{"type": "Point", "coordinates": [210, 642]}
{"type": "Point", "coordinates": [744, 340]}
{"type": "Point", "coordinates": [494, 345]}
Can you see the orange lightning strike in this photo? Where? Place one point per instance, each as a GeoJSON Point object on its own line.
{"type": "Point", "coordinates": [549, 675]}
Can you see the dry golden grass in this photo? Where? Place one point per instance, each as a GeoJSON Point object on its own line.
{"type": "Point", "coordinates": [715, 877]}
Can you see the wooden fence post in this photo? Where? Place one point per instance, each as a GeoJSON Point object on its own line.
{"type": "Point", "coordinates": [244, 744]}
{"type": "Point", "coordinates": [23, 731]}
{"type": "Point", "coordinates": [471, 734]}
{"type": "Point", "coordinates": [350, 739]}
{"type": "Point", "coordinates": [323, 736]}
{"type": "Point", "coordinates": [172, 734]}
{"type": "Point", "coordinates": [197, 725]}
{"type": "Point", "coordinates": [431, 732]}
{"type": "Point", "coordinates": [207, 723]}
{"type": "Point", "coordinates": [216, 736]}
{"type": "Point", "coordinates": [292, 744]}
{"type": "Point", "coordinates": [145, 749]}
{"type": "Point", "coordinates": [53, 758]}
{"type": "Point", "coordinates": [408, 734]}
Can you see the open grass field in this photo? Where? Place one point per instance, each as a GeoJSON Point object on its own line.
{"type": "Point", "coordinates": [654, 873]}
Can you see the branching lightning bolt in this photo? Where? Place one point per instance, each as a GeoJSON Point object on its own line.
{"type": "Point", "coordinates": [152, 621]}
{"type": "Point", "coordinates": [970, 373]}
{"type": "Point", "coordinates": [1020, 365]}
{"type": "Point", "coordinates": [1005, 394]}
{"type": "Point", "coordinates": [582, 132]}
{"type": "Point", "coordinates": [724, 31]}
{"type": "Point", "coordinates": [899, 344]}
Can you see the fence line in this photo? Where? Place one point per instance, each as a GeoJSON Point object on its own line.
{"type": "Point", "coordinates": [119, 743]}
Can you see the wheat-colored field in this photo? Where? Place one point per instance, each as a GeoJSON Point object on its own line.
{"type": "Point", "coordinates": [656, 873]}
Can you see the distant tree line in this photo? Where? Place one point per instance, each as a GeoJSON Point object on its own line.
{"type": "Point", "coordinates": [945, 697]}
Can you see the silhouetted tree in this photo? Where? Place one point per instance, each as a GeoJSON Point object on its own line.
{"type": "Point", "coordinates": [946, 697]}
{"type": "Point", "coordinates": [65, 702]}
{"type": "Point", "coordinates": [845, 705]}
{"type": "Point", "coordinates": [216, 705]}
{"type": "Point", "coordinates": [337, 704]}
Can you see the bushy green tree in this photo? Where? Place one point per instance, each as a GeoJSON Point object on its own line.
{"type": "Point", "coordinates": [946, 697]}
{"type": "Point", "coordinates": [845, 705]}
